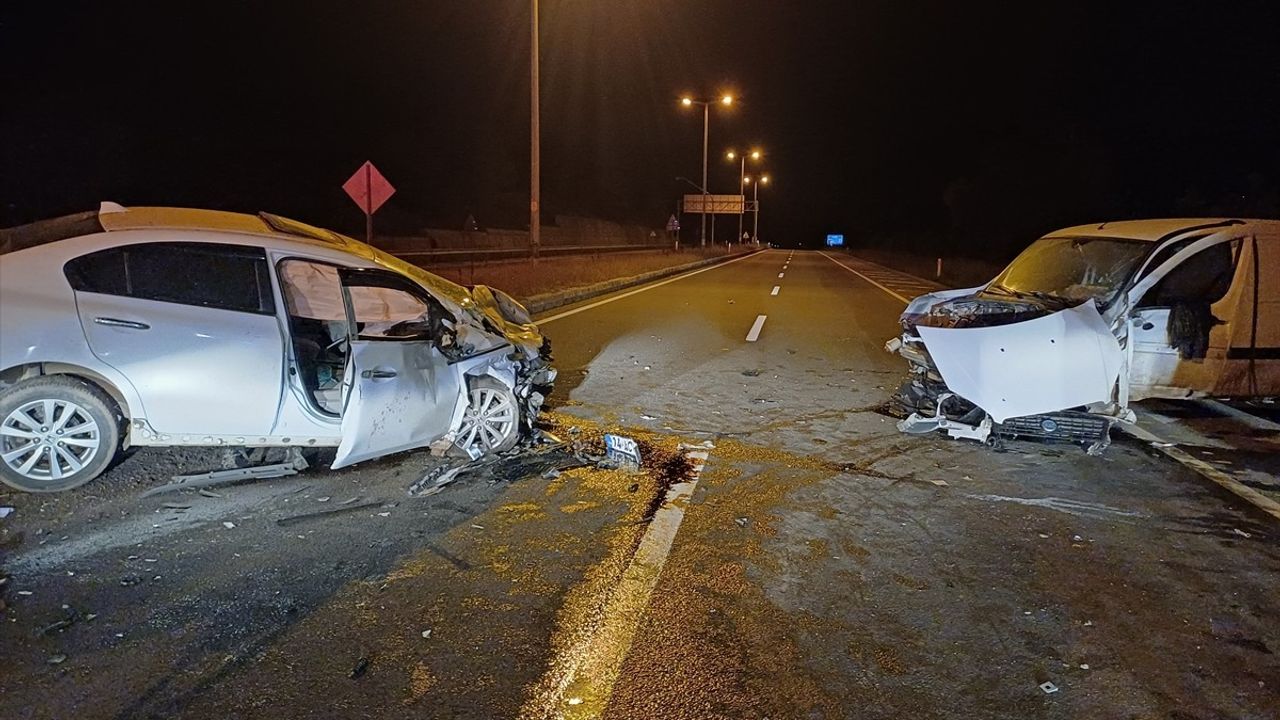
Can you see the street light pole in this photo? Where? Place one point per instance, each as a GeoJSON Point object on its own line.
{"type": "Point", "coordinates": [535, 149]}
{"type": "Point", "coordinates": [756, 230]}
{"type": "Point", "coordinates": [706, 135]}
{"type": "Point", "coordinates": [743, 180]}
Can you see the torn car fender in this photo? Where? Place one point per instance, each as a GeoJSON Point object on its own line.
{"type": "Point", "coordinates": [1063, 360]}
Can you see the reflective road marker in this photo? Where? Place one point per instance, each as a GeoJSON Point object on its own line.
{"type": "Point", "coordinates": [756, 328]}
{"type": "Point", "coordinates": [776, 288]}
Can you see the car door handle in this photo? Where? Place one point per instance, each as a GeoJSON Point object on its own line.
{"type": "Point", "coordinates": [115, 322]}
{"type": "Point", "coordinates": [378, 374]}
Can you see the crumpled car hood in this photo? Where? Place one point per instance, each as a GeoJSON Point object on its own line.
{"type": "Point", "coordinates": [1062, 360]}
{"type": "Point", "coordinates": [966, 308]}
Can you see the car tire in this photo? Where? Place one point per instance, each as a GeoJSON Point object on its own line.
{"type": "Point", "coordinates": [491, 422]}
{"type": "Point", "coordinates": [56, 418]}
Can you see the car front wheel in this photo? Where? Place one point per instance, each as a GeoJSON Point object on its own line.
{"type": "Point", "coordinates": [491, 422]}
{"type": "Point", "coordinates": [56, 433]}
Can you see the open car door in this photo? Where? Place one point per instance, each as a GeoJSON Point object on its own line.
{"type": "Point", "coordinates": [400, 392]}
{"type": "Point", "coordinates": [1184, 315]}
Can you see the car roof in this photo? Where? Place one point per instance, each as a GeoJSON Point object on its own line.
{"type": "Point", "coordinates": [1157, 229]}
{"type": "Point", "coordinates": [112, 217]}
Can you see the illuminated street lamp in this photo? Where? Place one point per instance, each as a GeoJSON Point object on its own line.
{"type": "Point", "coordinates": [762, 180]}
{"type": "Point", "coordinates": [742, 179]}
{"type": "Point", "coordinates": [687, 101]}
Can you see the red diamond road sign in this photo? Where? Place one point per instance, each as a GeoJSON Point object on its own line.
{"type": "Point", "coordinates": [368, 188]}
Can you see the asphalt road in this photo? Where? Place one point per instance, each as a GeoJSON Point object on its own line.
{"type": "Point", "coordinates": [820, 565]}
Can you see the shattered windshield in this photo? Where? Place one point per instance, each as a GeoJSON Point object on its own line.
{"type": "Point", "coordinates": [1071, 269]}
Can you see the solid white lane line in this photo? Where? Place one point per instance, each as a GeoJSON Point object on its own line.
{"type": "Point", "coordinates": [776, 288]}
{"type": "Point", "coordinates": [1204, 469]}
{"type": "Point", "coordinates": [639, 290]}
{"type": "Point", "coordinates": [580, 678]}
{"type": "Point", "coordinates": [864, 277]}
{"type": "Point", "coordinates": [756, 328]}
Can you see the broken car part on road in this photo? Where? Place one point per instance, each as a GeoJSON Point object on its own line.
{"type": "Point", "coordinates": [1091, 318]}
{"type": "Point", "coordinates": [175, 327]}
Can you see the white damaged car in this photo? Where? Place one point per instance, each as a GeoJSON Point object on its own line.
{"type": "Point", "coordinates": [134, 327]}
{"type": "Point", "coordinates": [1091, 318]}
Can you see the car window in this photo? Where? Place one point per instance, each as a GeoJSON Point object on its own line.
{"type": "Point", "coordinates": [227, 277]}
{"type": "Point", "coordinates": [1202, 278]}
{"type": "Point", "coordinates": [312, 290]}
{"type": "Point", "coordinates": [383, 313]}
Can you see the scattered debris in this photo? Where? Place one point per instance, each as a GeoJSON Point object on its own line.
{"type": "Point", "coordinates": [342, 507]}
{"type": "Point", "coordinates": [751, 373]}
{"type": "Point", "coordinates": [176, 506]}
{"type": "Point", "coordinates": [209, 493]}
{"type": "Point", "coordinates": [1084, 666]}
{"type": "Point", "coordinates": [228, 525]}
{"type": "Point", "coordinates": [551, 474]}
{"type": "Point", "coordinates": [25, 592]}
{"type": "Point", "coordinates": [426, 634]}
{"type": "Point", "coordinates": [477, 527]}
{"type": "Point", "coordinates": [57, 659]}
{"type": "Point", "coordinates": [436, 480]}
{"type": "Point", "coordinates": [294, 465]}
{"type": "Point", "coordinates": [742, 522]}
{"type": "Point", "coordinates": [58, 626]}
{"type": "Point", "coordinates": [941, 483]}
{"type": "Point", "coordinates": [633, 487]}
{"type": "Point", "coordinates": [349, 500]}
{"type": "Point", "coordinates": [1048, 687]}
{"type": "Point", "coordinates": [384, 514]}
{"type": "Point", "coordinates": [1241, 533]}
{"type": "Point", "coordinates": [361, 666]}
{"type": "Point", "coordinates": [6, 511]}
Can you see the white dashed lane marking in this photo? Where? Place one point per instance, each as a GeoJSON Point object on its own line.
{"type": "Point", "coordinates": [781, 274]}
{"type": "Point", "coordinates": [756, 327]}
{"type": "Point", "coordinates": [776, 288]}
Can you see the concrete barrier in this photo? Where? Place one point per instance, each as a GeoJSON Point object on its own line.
{"type": "Point", "coordinates": [539, 304]}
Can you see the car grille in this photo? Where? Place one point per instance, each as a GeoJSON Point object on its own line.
{"type": "Point", "coordinates": [1076, 427]}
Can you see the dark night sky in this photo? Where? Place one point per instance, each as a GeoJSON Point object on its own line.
{"type": "Point", "coordinates": [952, 121]}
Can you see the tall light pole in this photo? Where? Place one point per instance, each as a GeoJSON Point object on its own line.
{"type": "Point", "coordinates": [742, 181]}
{"type": "Point", "coordinates": [535, 140]}
{"type": "Point", "coordinates": [762, 180]}
{"type": "Point", "coordinates": [706, 134]}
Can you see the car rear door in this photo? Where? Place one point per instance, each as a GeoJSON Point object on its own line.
{"type": "Point", "coordinates": [401, 392]}
{"type": "Point", "coordinates": [193, 327]}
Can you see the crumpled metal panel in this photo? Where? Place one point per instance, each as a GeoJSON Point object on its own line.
{"type": "Point", "coordinates": [1059, 361]}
